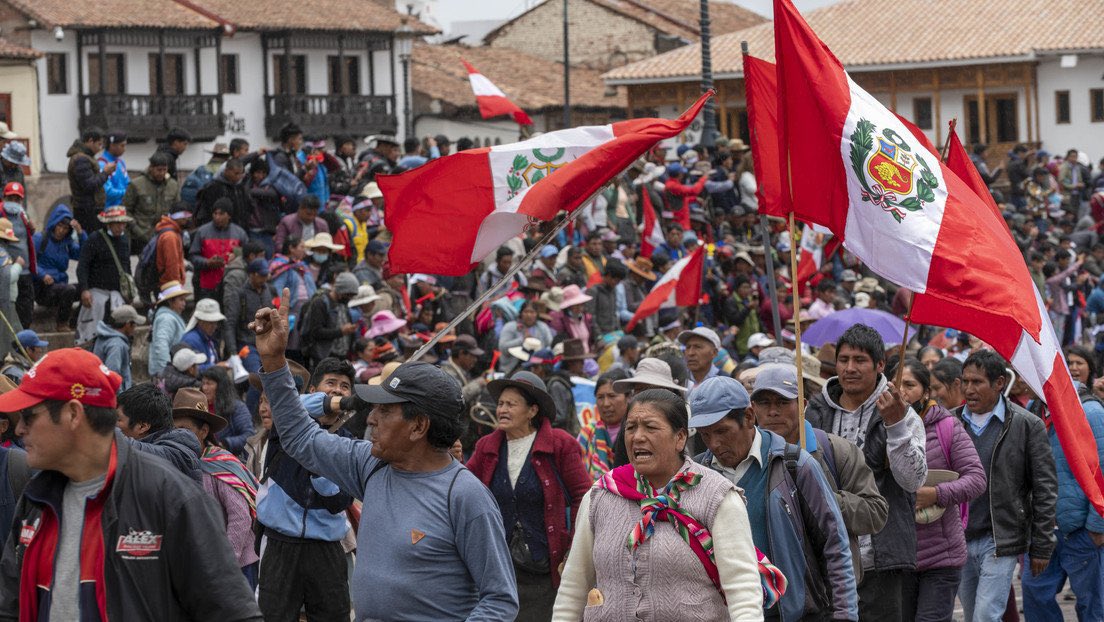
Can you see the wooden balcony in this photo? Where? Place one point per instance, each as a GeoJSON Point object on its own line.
{"type": "Point", "coordinates": [327, 115]}
{"type": "Point", "coordinates": [149, 117]}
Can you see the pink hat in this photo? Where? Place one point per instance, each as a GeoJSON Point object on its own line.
{"type": "Point", "coordinates": [572, 296]}
{"type": "Point", "coordinates": [383, 323]}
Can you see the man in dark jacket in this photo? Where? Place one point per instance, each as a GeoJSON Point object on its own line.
{"type": "Point", "coordinates": [86, 180]}
{"type": "Point", "coordinates": [1015, 515]}
{"type": "Point", "coordinates": [240, 304]}
{"type": "Point", "coordinates": [145, 415]}
{"type": "Point", "coordinates": [791, 509]}
{"type": "Point", "coordinates": [327, 326]}
{"type": "Point", "coordinates": [287, 155]}
{"type": "Point", "coordinates": [150, 196]}
{"type": "Point", "coordinates": [176, 142]}
{"type": "Point", "coordinates": [211, 248]}
{"type": "Point", "coordinates": [861, 405]}
{"type": "Point", "coordinates": [98, 273]}
{"type": "Point", "coordinates": [604, 293]}
{"type": "Point", "coordinates": [103, 531]}
{"type": "Point", "coordinates": [227, 184]}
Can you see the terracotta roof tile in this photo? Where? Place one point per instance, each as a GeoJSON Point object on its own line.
{"type": "Point", "coordinates": [330, 15]}
{"type": "Point", "coordinates": [530, 82]}
{"type": "Point", "coordinates": [113, 14]}
{"type": "Point", "coordinates": [890, 32]}
{"type": "Point", "coordinates": [12, 50]}
{"type": "Point", "coordinates": [674, 17]}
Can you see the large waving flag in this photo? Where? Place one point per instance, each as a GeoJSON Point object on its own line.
{"type": "Point", "coordinates": [452, 212]}
{"type": "Point", "coordinates": [857, 170]}
{"type": "Point", "coordinates": [492, 101]}
{"type": "Point", "coordinates": [761, 85]}
{"type": "Point", "coordinates": [679, 286]}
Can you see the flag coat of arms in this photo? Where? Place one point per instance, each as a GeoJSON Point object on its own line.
{"type": "Point", "coordinates": [858, 170]}
{"type": "Point", "coordinates": [452, 212]}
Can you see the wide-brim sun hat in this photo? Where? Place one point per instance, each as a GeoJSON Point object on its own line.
{"type": "Point", "coordinates": [526, 349]}
{"type": "Point", "coordinates": [323, 240]}
{"type": "Point", "coordinates": [170, 290]}
{"type": "Point", "coordinates": [366, 294]}
{"type": "Point", "coordinates": [653, 373]}
{"type": "Point", "coordinates": [384, 322]}
{"type": "Point", "coordinates": [117, 213]}
{"type": "Point", "coordinates": [573, 295]}
{"type": "Point", "coordinates": [532, 386]}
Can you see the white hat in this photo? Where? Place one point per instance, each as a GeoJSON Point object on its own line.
{"type": "Point", "coordinates": [525, 351]}
{"type": "Point", "coordinates": [6, 133]}
{"type": "Point", "coordinates": [323, 240]}
{"type": "Point", "coordinates": [207, 309]}
{"type": "Point", "coordinates": [365, 294]}
{"type": "Point", "coordinates": [651, 372]}
{"type": "Point", "coordinates": [186, 357]}
{"type": "Point", "coordinates": [701, 332]}
{"type": "Point", "coordinates": [759, 340]}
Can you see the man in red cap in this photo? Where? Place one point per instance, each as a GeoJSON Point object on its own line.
{"type": "Point", "coordinates": [105, 531]}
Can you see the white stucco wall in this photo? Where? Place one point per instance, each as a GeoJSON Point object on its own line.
{"type": "Point", "coordinates": [1080, 133]}
{"type": "Point", "coordinates": [505, 130]}
{"type": "Point", "coordinates": [18, 79]}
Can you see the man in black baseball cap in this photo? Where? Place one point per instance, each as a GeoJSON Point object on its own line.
{"type": "Point", "coordinates": [416, 495]}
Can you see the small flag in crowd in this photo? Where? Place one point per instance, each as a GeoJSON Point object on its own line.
{"type": "Point", "coordinates": [449, 214]}
{"type": "Point", "coordinates": [817, 244]}
{"type": "Point", "coordinates": [858, 170]}
{"type": "Point", "coordinates": [653, 231]}
{"type": "Point", "coordinates": [492, 101]}
{"type": "Point", "coordinates": [679, 286]}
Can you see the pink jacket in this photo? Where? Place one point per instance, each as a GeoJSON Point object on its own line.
{"type": "Point", "coordinates": [942, 544]}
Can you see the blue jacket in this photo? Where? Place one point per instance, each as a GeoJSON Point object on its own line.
{"type": "Point", "coordinates": [791, 547]}
{"type": "Point", "coordinates": [320, 185]}
{"type": "Point", "coordinates": [196, 340]}
{"type": "Point", "coordinates": [240, 429]}
{"type": "Point", "coordinates": [1074, 510]}
{"type": "Point", "coordinates": [167, 330]}
{"type": "Point", "coordinates": [298, 503]}
{"type": "Point", "coordinates": [116, 185]}
{"type": "Point", "coordinates": [52, 256]}
{"type": "Point", "coordinates": [113, 348]}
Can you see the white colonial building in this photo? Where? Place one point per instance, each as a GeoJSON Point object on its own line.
{"type": "Point", "coordinates": [221, 69]}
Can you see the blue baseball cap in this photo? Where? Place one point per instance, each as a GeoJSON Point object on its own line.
{"type": "Point", "coordinates": [675, 168]}
{"type": "Point", "coordinates": [257, 266]}
{"type": "Point", "coordinates": [549, 251]}
{"type": "Point", "coordinates": [376, 247]}
{"type": "Point", "coordinates": [713, 399]}
{"type": "Point", "coordinates": [30, 339]}
{"type": "Point", "coordinates": [776, 378]}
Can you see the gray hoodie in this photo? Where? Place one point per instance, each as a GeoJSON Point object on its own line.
{"type": "Point", "coordinates": [902, 443]}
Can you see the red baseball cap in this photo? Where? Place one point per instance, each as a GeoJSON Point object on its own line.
{"type": "Point", "coordinates": [63, 375]}
{"type": "Point", "coordinates": [15, 188]}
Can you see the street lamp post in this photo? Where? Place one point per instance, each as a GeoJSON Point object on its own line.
{"type": "Point", "coordinates": [709, 115]}
{"type": "Point", "coordinates": [405, 44]}
{"type": "Point", "coordinates": [567, 72]}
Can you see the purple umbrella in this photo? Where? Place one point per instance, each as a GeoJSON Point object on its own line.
{"type": "Point", "coordinates": [829, 329]}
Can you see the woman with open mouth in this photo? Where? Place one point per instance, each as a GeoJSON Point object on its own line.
{"type": "Point", "coordinates": [663, 538]}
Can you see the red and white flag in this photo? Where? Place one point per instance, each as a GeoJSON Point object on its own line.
{"type": "Point", "coordinates": [449, 214]}
{"type": "Point", "coordinates": [492, 101]}
{"type": "Point", "coordinates": [680, 286]}
{"type": "Point", "coordinates": [817, 244]}
{"type": "Point", "coordinates": [857, 169]}
{"type": "Point", "coordinates": [761, 84]}
{"type": "Point", "coordinates": [653, 232]}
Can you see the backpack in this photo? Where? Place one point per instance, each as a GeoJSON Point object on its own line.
{"type": "Point", "coordinates": [305, 341]}
{"type": "Point", "coordinates": [146, 276]}
{"type": "Point", "coordinates": [199, 178]}
{"type": "Point", "coordinates": [287, 185]}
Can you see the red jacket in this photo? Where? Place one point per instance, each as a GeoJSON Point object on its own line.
{"type": "Point", "coordinates": [170, 252]}
{"type": "Point", "coordinates": [688, 193]}
{"type": "Point", "coordinates": [554, 451]}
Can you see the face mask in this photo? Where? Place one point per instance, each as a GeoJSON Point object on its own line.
{"type": "Point", "coordinates": [320, 257]}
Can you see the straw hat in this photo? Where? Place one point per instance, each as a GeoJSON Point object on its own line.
{"type": "Point", "coordinates": [7, 231]}
{"type": "Point", "coordinates": [170, 290]}
{"type": "Point", "coordinates": [553, 298]}
{"type": "Point", "coordinates": [385, 373]}
{"type": "Point", "coordinates": [641, 266]}
{"type": "Point", "coordinates": [365, 294]}
{"type": "Point", "coordinates": [323, 240]}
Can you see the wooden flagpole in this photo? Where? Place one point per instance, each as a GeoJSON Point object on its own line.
{"type": "Point", "coordinates": [908, 314]}
{"type": "Point", "coordinates": [798, 362]}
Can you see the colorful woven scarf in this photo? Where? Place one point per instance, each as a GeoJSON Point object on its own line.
{"type": "Point", "coordinates": [662, 505]}
{"type": "Point", "coordinates": [225, 466]}
{"type": "Point", "coordinates": [596, 443]}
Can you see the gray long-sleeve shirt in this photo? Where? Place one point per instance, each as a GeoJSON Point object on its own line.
{"type": "Point", "coordinates": [459, 569]}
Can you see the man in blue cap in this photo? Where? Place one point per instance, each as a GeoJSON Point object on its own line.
{"type": "Point", "coordinates": [544, 270]}
{"type": "Point", "coordinates": [29, 347]}
{"type": "Point", "coordinates": [793, 513]}
{"type": "Point", "coordinates": [370, 271]}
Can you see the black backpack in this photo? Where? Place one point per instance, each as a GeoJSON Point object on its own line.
{"type": "Point", "coordinates": [146, 276]}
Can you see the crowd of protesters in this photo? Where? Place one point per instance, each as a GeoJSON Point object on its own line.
{"type": "Point", "coordinates": [662, 473]}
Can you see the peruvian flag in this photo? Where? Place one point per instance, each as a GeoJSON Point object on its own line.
{"type": "Point", "coordinates": [817, 244]}
{"type": "Point", "coordinates": [492, 101]}
{"type": "Point", "coordinates": [761, 85]}
{"type": "Point", "coordinates": [858, 170]}
{"type": "Point", "coordinates": [653, 232]}
{"type": "Point", "coordinates": [680, 286]}
{"type": "Point", "coordinates": [449, 214]}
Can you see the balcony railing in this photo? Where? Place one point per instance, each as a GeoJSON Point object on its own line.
{"type": "Point", "coordinates": [149, 117]}
{"type": "Point", "coordinates": [327, 115]}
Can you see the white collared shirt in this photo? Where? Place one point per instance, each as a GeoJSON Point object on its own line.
{"type": "Point", "coordinates": [755, 456]}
